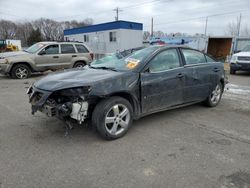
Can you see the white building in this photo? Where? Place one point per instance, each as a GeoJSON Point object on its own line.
{"type": "Point", "coordinates": [108, 37]}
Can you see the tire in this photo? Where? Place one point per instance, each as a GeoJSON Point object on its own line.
{"type": "Point", "coordinates": [112, 117]}
{"type": "Point", "coordinates": [232, 71]}
{"type": "Point", "coordinates": [20, 71]}
{"type": "Point", "coordinates": [79, 64]}
{"type": "Point", "coordinates": [215, 97]}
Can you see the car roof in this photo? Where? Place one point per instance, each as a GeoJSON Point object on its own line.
{"type": "Point", "coordinates": [59, 42]}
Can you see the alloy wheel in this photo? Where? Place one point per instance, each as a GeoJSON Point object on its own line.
{"type": "Point", "coordinates": [117, 119]}
{"type": "Point", "coordinates": [21, 73]}
{"type": "Point", "coordinates": [216, 94]}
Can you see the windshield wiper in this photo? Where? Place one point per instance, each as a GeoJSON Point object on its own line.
{"type": "Point", "coordinates": [104, 68]}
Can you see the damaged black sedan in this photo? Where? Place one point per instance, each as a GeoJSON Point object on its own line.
{"type": "Point", "coordinates": [114, 92]}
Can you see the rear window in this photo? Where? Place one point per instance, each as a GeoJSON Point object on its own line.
{"type": "Point", "coordinates": [81, 48]}
{"type": "Point", "coordinates": [193, 57]}
{"type": "Point", "coordinates": [67, 48]}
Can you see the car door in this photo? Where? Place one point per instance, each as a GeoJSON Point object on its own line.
{"type": "Point", "coordinates": [198, 76]}
{"type": "Point", "coordinates": [162, 82]}
{"type": "Point", "coordinates": [67, 53]}
{"type": "Point", "coordinates": [216, 71]}
{"type": "Point", "coordinates": [48, 57]}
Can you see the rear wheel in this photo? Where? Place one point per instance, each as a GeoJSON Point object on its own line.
{"type": "Point", "coordinates": [20, 71]}
{"type": "Point", "coordinates": [112, 117]}
{"type": "Point", "coordinates": [215, 97]}
{"type": "Point", "coordinates": [79, 65]}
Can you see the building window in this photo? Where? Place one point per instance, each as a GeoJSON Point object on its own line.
{"type": "Point", "coordinates": [112, 36]}
{"type": "Point", "coordinates": [86, 38]}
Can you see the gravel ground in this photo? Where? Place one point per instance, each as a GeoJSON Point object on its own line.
{"type": "Point", "coordinates": [191, 147]}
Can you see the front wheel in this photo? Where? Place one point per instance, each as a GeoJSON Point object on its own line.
{"type": "Point", "coordinates": [112, 117]}
{"type": "Point", "coordinates": [20, 71]}
{"type": "Point", "coordinates": [215, 97]}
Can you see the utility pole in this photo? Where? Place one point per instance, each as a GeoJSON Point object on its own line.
{"type": "Point", "coordinates": [206, 26]}
{"type": "Point", "coordinates": [152, 27]}
{"type": "Point", "coordinates": [117, 10]}
{"type": "Point", "coordinates": [238, 26]}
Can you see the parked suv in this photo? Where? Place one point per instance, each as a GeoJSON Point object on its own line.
{"type": "Point", "coordinates": [114, 92]}
{"type": "Point", "coordinates": [240, 61]}
{"type": "Point", "coordinates": [45, 56]}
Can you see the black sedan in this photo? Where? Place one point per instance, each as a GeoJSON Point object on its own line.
{"type": "Point", "coordinates": [114, 92]}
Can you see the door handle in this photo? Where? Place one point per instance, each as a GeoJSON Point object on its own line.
{"type": "Point", "coordinates": [74, 55]}
{"type": "Point", "coordinates": [180, 75]}
{"type": "Point", "coordinates": [216, 69]}
{"type": "Point", "coordinates": [55, 56]}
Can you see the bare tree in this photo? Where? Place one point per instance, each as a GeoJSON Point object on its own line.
{"type": "Point", "coordinates": [51, 30]}
{"type": "Point", "coordinates": [7, 29]}
{"type": "Point", "coordinates": [23, 32]}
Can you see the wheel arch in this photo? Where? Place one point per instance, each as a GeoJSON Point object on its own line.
{"type": "Point", "coordinates": [126, 95]}
{"type": "Point", "coordinates": [21, 63]}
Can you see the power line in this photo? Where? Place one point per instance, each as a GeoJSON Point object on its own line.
{"type": "Point", "coordinates": [106, 11]}
{"type": "Point", "coordinates": [202, 17]}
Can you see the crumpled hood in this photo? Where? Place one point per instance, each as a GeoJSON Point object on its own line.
{"type": "Point", "coordinates": [74, 78]}
{"type": "Point", "coordinates": [13, 54]}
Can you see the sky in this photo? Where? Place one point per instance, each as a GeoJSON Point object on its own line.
{"type": "Point", "coordinates": [170, 16]}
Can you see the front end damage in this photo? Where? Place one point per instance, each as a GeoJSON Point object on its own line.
{"type": "Point", "coordinates": [67, 104]}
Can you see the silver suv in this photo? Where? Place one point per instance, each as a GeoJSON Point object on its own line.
{"type": "Point", "coordinates": [45, 56]}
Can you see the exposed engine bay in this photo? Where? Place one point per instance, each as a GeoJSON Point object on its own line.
{"type": "Point", "coordinates": [63, 104]}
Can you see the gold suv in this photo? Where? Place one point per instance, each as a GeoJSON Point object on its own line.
{"type": "Point", "coordinates": [45, 56]}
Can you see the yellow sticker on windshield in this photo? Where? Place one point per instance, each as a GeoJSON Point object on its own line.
{"type": "Point", "coordinates": [132, 63]}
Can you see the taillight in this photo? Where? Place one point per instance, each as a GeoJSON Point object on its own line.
{"type": "Point", "coordinates": [92, 56]}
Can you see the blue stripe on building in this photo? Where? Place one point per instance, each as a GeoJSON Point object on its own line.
{"type": "Point", "coordinates": [105, 26]}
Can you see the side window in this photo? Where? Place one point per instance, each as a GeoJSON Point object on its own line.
{"type": "Point", "coordinates": [166, 60]}
{"type": "Point", "coordinates": [112, 36]}
{"type": "Point", "coordinates": [193, 57]}
{"type": "Point", "coordinates": [81, 48]}
{"type": "Point", "coordinates": [51, 49]}
{"type": "Point", "coordinates": [67, 49]}
{"type": "Point", "coordinates": [209, 59]}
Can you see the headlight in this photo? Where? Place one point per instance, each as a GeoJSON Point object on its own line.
{"type": "Point", "coordinates": [77, 91]}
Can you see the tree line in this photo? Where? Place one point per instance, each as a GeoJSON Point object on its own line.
{"type": "Point", "coordinates": [30, 32]}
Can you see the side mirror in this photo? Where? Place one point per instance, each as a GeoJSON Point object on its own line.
{"type": "Point", "coordinates": [146, 71]}
{"type": "Point", "coordinates": [42, 52]}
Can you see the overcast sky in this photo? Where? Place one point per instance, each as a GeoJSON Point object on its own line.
{"type": "Point", "coordinates": [187, 16]}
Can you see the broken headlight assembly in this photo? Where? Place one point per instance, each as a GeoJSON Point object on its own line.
{"type": "Point", "coordinates": [72, 103]}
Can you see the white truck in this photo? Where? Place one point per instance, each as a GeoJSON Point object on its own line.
{"type": "Point", "coordinates": [240, 60]}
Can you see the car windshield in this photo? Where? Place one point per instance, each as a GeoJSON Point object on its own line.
{"type": "Point", "coordinates": [117, 62]}
{"type": "Point", "coordinates": [246, 48]}
{"type": "Point", "coordinates": [34, 48]}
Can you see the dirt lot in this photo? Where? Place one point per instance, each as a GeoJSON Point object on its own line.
{"type": "Point", "coordinates": [192, 147]}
